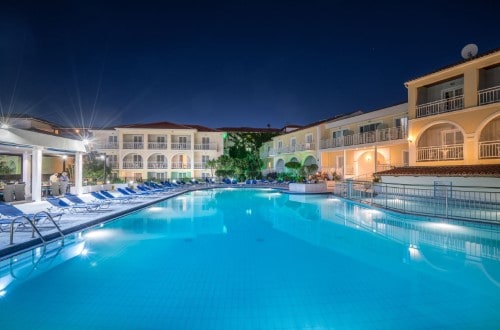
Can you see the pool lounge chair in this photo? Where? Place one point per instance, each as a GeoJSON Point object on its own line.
{"type": "Point", "coordinates": [100, 197]}
{"type": "Point", "coordinates": [126, 192]}
{"type": "Point", "coordinates": [102, 204]}
{"type": "Point", "coordinates": [123, 199]}
{"type": "Point", "coordinates": [61, 206]}
{"type": "Point", "coordinates": [10, 212]}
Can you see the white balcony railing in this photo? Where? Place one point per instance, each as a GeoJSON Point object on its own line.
{"type": "Point", "coordinates": [489, 149]}
{"type": "Point", "coordinates": [157, 145]}
{"type": "Point", "coordinates": [133, 145]}
{"type": "Point", "coordinates": [181, 146]}
{"type": "Point", "coordinates": [439, 153]}
{"type": "Point", "coordinates": [205, 146]}
{"type": "Point", "coordinates": [489, 95]}
{"type": "Point", "coordinates": [157, 165]}
{"type": "Point", "coordinates": [132, 165]}
{"type": "Point", "coordinates": [381, 135]}
{"type": "Point", "coordinates": [106, 145]}
{"type": "Point", "coordinates": [200, 166]}
{"type": "Point", "coordinates": [440, 106]}
{"type": "Point", "coordinates": [179, 165]}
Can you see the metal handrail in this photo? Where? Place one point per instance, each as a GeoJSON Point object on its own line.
{"type": "Point", "coordinates": [441, 199]}
{"type": "Point", "coordinates": [33, 226]}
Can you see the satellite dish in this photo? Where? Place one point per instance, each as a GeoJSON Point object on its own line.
{"type": "Point", "coordinates": [469, 51]}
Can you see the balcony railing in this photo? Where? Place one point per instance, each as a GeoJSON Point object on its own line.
{"type": "Point", "coordinates": [178, 165]}
{"type": "Point", "coordinates": [200, 166]}
{"type": "Point", "coordinates": [133, 145]}
{"type": "Point", "coordinates": [181, 146]}
{"type": "Point", "coordinates": [440, 106]}
{"type": "Point", "coordinates": [489, 95]}
{"type": "Point", "coordinates": [205, 146]}
{"type": "Point", "coordinates": [132, 165]}
{"type": "Point", "coordinates": [157, 165]}
{"type": "Point", "coordinates": [381, 135]}
{"type": "Point", "coordinates": [439, 153]}
{"type": "Point", "coordinates": [489, 149]}
{"type": "Point", "coordinates": [107, 145]}
{"type": "Point", "coordinates": [157, 145]}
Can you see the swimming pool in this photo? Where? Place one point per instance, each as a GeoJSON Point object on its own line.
{"type": "Point", "coordinates": [258, 259]}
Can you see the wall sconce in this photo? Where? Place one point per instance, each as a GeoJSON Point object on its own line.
{"type": "Point", "coordinates": [410, 139]}
{"type": "Point", "coordinates": [368, 158]}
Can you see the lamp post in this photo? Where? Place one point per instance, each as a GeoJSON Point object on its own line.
{"type": "Point", "coordinates": [103, 157]}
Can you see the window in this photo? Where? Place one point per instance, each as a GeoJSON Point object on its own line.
{"type": "Point", "coordinates": [205, 159]}
{"type": "Point", "coordinates": [113, 139]}
{"type": "Point", "coordinates": [309, 138]}
{"type": "Point", "coordinates": [160, 158]}
{"type": "Point", "coordinates": [160, 139]}
{"type": "Point", "coordinates": [182, 142]}
{"type": "Point", "coordinates": [293, 142]}
{"type": "Point", "coordinates": [452, 136]}
{"type": "Point", "coordinates": [280, 144]}
{"type": "Point", "coordinates": [369, 128]}
{"type": "Point", "coordinates": [401, 122]}
{"type": "Point", "coordinates": [137, 138]}
{"type": "Point", "coordinates": [205, 142]}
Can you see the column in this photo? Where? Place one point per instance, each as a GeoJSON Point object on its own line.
{"type": "Point", "coordinates": [36, 174]}
{"type": "Point", "coordinates": [78, 173]}
{"type": "Point", "coordinates": [27, 173]}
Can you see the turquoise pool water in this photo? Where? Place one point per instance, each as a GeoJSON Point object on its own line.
{"type": "Point", "coordinates": [258, 259]}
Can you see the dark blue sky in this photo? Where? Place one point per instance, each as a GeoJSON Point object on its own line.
{"type": "Point", "coordinates": [234, 63]}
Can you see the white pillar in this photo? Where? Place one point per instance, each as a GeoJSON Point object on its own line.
{"type": "Point", "coordinates": [344, 154]}
{"type": "Point", "coordinates": [375, 160]}
{"type": "Point", "coordinates": [27, 173]}
{"type": "Point", "coordinates": [78, 173]}
{"type": "Point", "coordinates": [36, 174]}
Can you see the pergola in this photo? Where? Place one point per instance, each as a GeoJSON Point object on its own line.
{"type": "Point", "coordinates": [32, 146]}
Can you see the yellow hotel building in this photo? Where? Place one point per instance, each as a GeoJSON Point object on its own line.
{"type": "Point", "coordinates": [452, 118]}
{"type": "Point", "coordinates": [454, 114]}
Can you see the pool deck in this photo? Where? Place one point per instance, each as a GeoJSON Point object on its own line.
{"type": "Point", "coordinates": [77, 221]}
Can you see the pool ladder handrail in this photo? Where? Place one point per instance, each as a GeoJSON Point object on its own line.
{"type": "Point", "coordinates": [33, 226]}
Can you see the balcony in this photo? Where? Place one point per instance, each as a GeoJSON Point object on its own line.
{"type": "Point", "coordinates": [106, 145]}
{"type": "Point", "coordinates": [157, 145]}
{"type": "Point", "coordinates": [382, 135]}
{"type": "Point", "coordinates": [132, 165]}
{"type": "Point", "coordinates": [180, 166]}
{"type": "Point", "coordinates": [157, 165]}
{"type": "Point", "coordinates": [489, 149]}
{"type": "Point", "coordinates": [181, 146]}
{"type": "Point", "coordinates": [440, 153]}
{"type": "Point", "coordinates": [200, 166]}
{"type": "Point", "coordinates": [205, 146]}
{"type": "Point", "coordinates": [489, 95]}
{"type": "Point", "coordinates": [440, 106]}
{"type": "Point", "coordinates": [133, 145]}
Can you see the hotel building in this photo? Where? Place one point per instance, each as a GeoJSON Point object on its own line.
{"type": "Point", "coordinates": [160, 151]}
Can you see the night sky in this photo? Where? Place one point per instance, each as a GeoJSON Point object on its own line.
{"type": "Point", "coordinates": [234, 63]}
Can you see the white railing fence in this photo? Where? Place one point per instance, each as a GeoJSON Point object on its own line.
{"type": "Point", "coordinates": [489, 95]}
{"type": "Point", "coordinates": [440, 106]}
